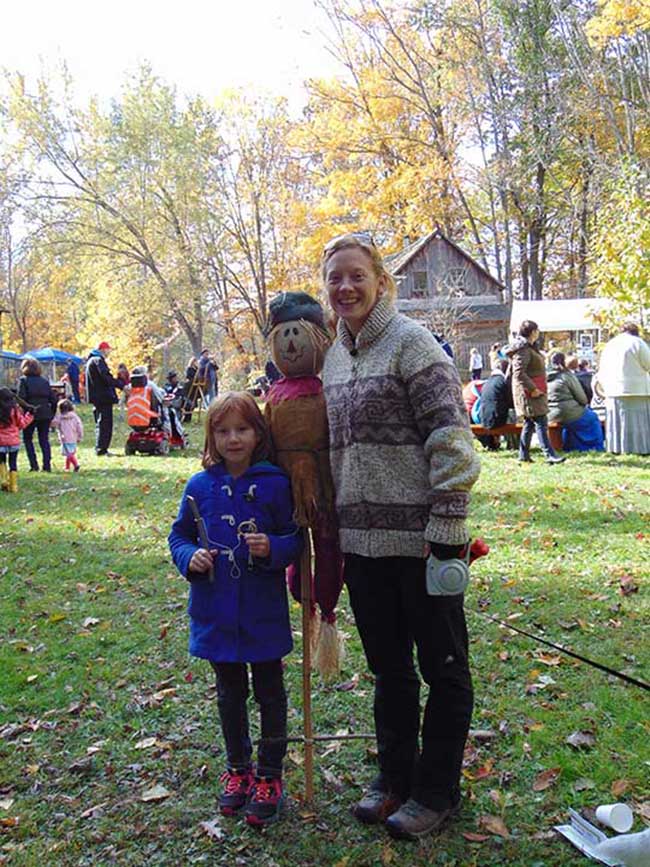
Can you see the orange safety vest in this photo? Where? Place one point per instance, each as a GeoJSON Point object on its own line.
{"type": "Point", "coordinates": [138, 407]}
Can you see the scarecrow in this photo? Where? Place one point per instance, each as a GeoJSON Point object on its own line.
{"type": "Point", "coordinates": [295, 411]}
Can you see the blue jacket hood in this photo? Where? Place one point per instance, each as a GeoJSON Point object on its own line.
{"type": "Point", "coordinates": [95, 353]}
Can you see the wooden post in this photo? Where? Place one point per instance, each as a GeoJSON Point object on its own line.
{"type": "Point", "coordinates": [308, 735]}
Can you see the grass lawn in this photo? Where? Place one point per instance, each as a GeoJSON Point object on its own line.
{"type": "Point", "coordinates": [100, 702]}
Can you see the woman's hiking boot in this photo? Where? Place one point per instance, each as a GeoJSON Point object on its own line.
{"type": "Point", "coordinates": [237, 786]}
{"type": "Point", "coordinates": [13, 481]}
{"type": "Point", "coordinates": [265, 802]}
{"type": "Point", "coordinates": [4, 478]}
{"type": "Point", "coordinates": [413, 820]}
{"type": "Point", "coordinates": [376, 806]}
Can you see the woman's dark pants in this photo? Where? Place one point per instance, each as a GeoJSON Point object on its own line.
{"type": "Point", "coordinates": [43, 430]}
{"type": "Point", "coordinates": [539, 424]}
{"type": "Point", "coordinates": [393, 612]}
{"type": "Point", "coordinates": [270, 695]}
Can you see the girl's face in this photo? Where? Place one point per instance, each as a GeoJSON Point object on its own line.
{"type": "Point", "coordinates": [353, 286]}
{"type": "Point", "coordinates": [235, 440]}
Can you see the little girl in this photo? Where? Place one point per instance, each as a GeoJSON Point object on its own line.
{"type": "Point", "coordinates": [238, 601]}
{"type": "Point", "coordinates": [12, 421]}
{"type": "Point", "coordinates": [70, 430]}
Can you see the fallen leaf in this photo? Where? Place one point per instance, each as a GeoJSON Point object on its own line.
{"type": "Point", "coordinates": [90, 621]}
{"type": "Point", "coordinates": [10, 822]}
{"type": "Point", "coordinates": [548, 659]}
{"type": "Point", "coordinates": [213, 829]}
{"type": "Point", "coordinates": [348, 685]}
{"type": "Point", "coordinates": [495, 825]}
{"type": "Point", "coordinates": [32, 678]}
{"type": "Point", "coordinates": [188, 677]}
{"type": "Point", "coordinates": [145, 744]}
{"type": "Point", "coordinates": [546, 779]}
{"type": "Point", "coordinates": [6, 803]}
{"type": "Point", "coordinates": [56, 618]}
{"type": "Point", "coordinates": [387, 856]}
{"type": "Point", "coordinates": [332, 779]}
{"type": "Point", "coordinates": [583, 783]}
{"type": "Point", "coordinates": [619, 787]}
{"type": "Point", "coordinates": [581, 740]}
{"type": "Point", "coordinates": [155, 793]}
{"type": "Point", "coordinates": [94, 812]}
{"type": "Point", "coordinates": [628, 585]}
{"type": "Point", "coordinates": [475, 838]}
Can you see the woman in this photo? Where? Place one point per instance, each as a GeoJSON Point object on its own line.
{"type": "Point", "coordinates": [529, 392]}
{"type": "Point", "coordinates": [623, 379]}
{"type": "Point", "coordinates": [35, 390]}
{"type": "Point", "coordinates": [403, 464]}
{"type": "Point", "coordinates": [568, 404]}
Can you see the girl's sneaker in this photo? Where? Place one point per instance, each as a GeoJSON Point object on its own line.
{"type": "Point", "coordinates": [265, 801]}
{"type": "Point", "coordinates": [237, 786]}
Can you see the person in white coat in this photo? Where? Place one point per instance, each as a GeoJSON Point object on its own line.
{"type": "Point", "coordinates": [623, 379]}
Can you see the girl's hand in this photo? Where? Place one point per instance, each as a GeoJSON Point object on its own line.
{"type": "Point", "coordinates": [201, 560]}
{"type": "Point", "coordinates": [536, 393]}
{"type": "Point", "coordinates": [259, 544]}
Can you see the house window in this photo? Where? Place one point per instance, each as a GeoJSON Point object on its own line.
{"type": "Point", "coordinates": [420, 284]}
{"type": "Point", "coordinates": [454, 281]}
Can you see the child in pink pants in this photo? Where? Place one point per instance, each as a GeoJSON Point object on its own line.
{"type": "Point", "coordinates": [70, 429]}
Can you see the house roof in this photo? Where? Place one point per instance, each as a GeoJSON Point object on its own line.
{"type": "Point", "coordinates": [398, 261]}
{"type": "Point", "coordinates": [567, 314]}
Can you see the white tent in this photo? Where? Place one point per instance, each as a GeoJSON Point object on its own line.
{"type": "Point", "coordinates": [573, 314]}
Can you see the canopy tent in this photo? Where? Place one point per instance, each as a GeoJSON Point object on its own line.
{"type": "Point", "coordinates": [573, 314]}
{"type": "Point", "coordinates": [6, 353]}
{"type": "Point", "coordinates": [54, 356]}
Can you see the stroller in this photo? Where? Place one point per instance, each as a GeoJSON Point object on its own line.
{"type": "Point", "coordinates": [149, 435]}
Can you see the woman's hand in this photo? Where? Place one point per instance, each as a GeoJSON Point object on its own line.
{"type": "Point", "coordinates": [259, 544]}
{"type": "Point", "coordinates": [201, 560]}
{"type": "Point", "coordinates": [536, 393]}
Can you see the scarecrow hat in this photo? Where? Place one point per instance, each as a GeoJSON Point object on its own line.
{"type": "Point", "coordinates": [289, 306]}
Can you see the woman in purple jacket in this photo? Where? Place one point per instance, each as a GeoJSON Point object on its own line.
{"type": "Point", "coordinates": [238, 600]}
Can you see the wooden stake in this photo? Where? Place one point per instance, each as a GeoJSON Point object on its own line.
{"type": "Point", "coordinates": [307, 731]}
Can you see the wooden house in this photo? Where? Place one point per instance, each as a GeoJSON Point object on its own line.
{"type": "Point", "coordinates": [443, 287]}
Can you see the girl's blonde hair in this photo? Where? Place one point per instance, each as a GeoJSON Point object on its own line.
{"type": "Point", "coordinates": [362, 240]}
{"type": "Point", "coordinates": [245, 405]}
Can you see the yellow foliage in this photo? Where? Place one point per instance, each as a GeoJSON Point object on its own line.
{"type": "Point", "coordinates": [617, 18]}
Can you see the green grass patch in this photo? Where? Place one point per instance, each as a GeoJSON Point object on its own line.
{"type": "Point", "coordinates": [99, 700]}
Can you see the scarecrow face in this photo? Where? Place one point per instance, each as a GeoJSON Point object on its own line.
{"type": "Point", "coordinates": [294, 351]}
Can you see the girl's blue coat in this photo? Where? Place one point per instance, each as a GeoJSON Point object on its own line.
{"type": "Point", "coordinates": [243, 619]}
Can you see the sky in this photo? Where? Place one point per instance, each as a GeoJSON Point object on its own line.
{"type": "Point", "coordinates": [200, 46]}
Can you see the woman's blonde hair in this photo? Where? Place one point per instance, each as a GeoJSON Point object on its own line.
{"type": "Point", "coordinates": [245, 405]}
{"type": "Point", "coordinates": [362, 240]}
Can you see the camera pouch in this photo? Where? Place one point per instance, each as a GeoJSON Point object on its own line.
{"type": "Point", "coordinates": [447, 577]}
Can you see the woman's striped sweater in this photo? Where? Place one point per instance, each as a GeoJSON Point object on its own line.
{"type": "Point", "coordinates": [401, 451]}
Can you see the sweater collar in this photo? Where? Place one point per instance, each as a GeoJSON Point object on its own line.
{"type": "Point", "coordinates": [380, 316]}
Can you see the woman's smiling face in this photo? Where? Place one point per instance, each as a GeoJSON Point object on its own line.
{"type": "Point", "coordinates": [352, 285]}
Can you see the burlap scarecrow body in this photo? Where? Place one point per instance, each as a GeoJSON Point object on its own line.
{"type": "Point", "coordinates": [295, 412]}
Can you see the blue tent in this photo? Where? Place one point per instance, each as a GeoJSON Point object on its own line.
{"type": "Point", "coordinates": [6, 353]}
{"type": "Point", "coordinates": [54, 356]}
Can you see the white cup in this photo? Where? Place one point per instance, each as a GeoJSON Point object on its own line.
{"type": "Point", "coordinates": [618, 817]}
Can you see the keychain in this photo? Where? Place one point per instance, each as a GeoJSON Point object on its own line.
{"type": "Point", "coordinates": [247, 527]}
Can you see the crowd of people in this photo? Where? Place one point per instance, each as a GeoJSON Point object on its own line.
{"type": "Point", "coordinates": [549, 387]}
